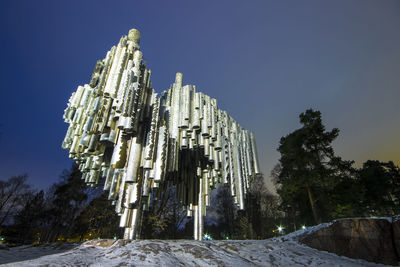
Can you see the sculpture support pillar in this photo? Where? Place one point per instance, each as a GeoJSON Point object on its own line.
{"type": "Point", "coordinates": [199, 212]}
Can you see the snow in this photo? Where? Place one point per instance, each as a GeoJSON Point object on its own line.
{"type": "Point", "coordinates": [282, 251]}
{"type": "Point", "coordinates": [389, 219]}
{"type": "Point", "coordinates": [278, 251]}
{"type": "Point", "coordinates": [308, 230]}
{"type": "Point", "coordinates": [30, 251]}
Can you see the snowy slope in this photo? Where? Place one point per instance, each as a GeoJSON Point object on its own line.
{"type": "Point", "coordinates": [283, 251]}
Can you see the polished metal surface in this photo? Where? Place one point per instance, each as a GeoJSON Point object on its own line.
{"type": "Point", "coordinates": [122, 132]}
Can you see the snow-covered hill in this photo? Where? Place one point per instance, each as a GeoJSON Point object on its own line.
{"type": "Point", "coordinates": [282, 251]}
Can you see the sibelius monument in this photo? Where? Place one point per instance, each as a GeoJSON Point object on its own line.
{"type": "Point", "coordinates": [120, 130]}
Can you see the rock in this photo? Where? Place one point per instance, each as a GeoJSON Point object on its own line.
{"type": "Point", "coordinates": [104, 243]}
{"type": "Point", "coordinates": [123, 242]}
{"type": "Point", "coordinates": [368, 239]}
{"type": "Point", "coordinates": [396, 234]}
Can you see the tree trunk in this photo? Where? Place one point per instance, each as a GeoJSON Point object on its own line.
{"type": "Point", "coordinates": [313, 208]}
{"type": "Point", "coordinates": [294, 218]}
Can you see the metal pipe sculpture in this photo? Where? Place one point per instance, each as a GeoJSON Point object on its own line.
{"type": "Point", "coordinates": [141, 144]}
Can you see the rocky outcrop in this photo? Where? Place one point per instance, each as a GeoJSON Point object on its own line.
{"type": "Point", "coordinates": [359, 238]}
{"type": "Point", "coordinates": [396, 234]}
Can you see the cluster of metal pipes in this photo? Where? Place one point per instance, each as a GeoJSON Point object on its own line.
{"type": "Point", "coordinates": [120, 130]}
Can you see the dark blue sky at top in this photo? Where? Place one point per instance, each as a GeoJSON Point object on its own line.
{"type": "Point", "coordinates": [264, 61]}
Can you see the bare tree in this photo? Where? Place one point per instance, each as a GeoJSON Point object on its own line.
{"type": "Point", "coordinates": [13, 194]}
{"type": "Point", "coordinates": [165, 216]}
{"type": "Point", "coordinates": [226, 209]}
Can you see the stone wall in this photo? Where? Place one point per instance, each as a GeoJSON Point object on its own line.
{"type": "Point", "coordinates": [396, 234]}
{"type": "Point", "coordinates": [375, 240]}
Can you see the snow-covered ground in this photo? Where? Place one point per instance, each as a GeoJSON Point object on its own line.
{"type": "Point", "coordinates": [22, 253]}
{"type": "Point", "coordinates": [272, 252]}
{"type": "Point", "coordinates": [282, 251]}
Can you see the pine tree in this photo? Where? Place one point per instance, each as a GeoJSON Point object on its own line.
{"type": "Point", "coordinates": [308, 168]}
{"type": "Point", "coordinates": [98, 220]}
{"type": "Point", "coordinates": [69, 200]}
{"type": "Point", "coordinates": [381, 184]}
{"type": "Point", "coordinates": [28, 221]}
{"type": "Point", "coordinates": [261, 208]}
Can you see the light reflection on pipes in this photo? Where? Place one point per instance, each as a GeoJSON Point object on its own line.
{"type": "Point", "coordinates": [121, 131]}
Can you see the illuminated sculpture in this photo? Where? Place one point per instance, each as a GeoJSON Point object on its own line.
{"type": "Point", "coordinates": [121, 131]}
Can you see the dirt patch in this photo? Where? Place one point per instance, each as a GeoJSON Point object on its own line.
{"type": "Point", "coordinates": [227, 246]}
{"type": "Point", "coordinates": [104, 243]}
{"type": "Point", "coordinates": [268, 247]}
{"type": "Point", "coordinates": [152, 247]}
{"type": "Point", "coordinates": [122, 242]}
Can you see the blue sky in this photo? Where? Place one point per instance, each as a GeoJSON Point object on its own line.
{"type": "Point", "coordinates": [264, 61]}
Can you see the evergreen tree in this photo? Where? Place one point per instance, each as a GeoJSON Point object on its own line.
{"type": "Point", "coordinates": [346, 198]}
{"type": "Point", "coordinates": [243, 227]}
{"type": "Point", "coordinates": [262, 208]}
{"type": "Point", "coordinates": [308, 169]}
{"type": "Point", "coordinates": [98, 220]}
{"type": "Point", "coordinates": [28, 221]}
{"type": "Point", "coordinates": [381, 184]}
{"type": "Point", "coordinates": [69, 200]}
